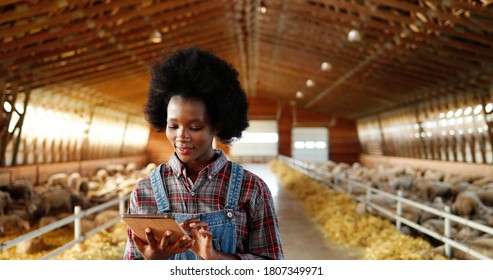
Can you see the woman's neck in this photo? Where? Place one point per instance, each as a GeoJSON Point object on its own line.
{"type": "Point", "coordinates": [194, 167]}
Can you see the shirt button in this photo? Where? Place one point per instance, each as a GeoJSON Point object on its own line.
{"type": "Point", "coordinates": [210, 177]}
{"type": "Point", "coordinates": [192, 193]}
{"type": "Point", "coordinates": [230, 214]}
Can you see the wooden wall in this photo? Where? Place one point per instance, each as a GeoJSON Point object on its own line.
{"type": "Point", "coordinates": [344, 145]}
{"type": "Point", "coordinates": [159, 149]}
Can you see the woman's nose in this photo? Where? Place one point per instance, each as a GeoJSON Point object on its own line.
{"type": "Point", "coordinates": [183, 135]}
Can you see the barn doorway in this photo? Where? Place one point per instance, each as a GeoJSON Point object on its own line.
{"type": "Point", "coordinates": [310, 144]}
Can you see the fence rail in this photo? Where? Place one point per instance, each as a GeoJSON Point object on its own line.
{"type": "Point", "coordinates": [449, 243]}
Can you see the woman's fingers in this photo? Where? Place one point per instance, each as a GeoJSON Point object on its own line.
{"type": "Point", "coordinates": [150, 238]}
{"type": "Point", "coordinates": [186, 224]}
{"type": "Point", "coordinates": [165, 240]}
{"type": "Point", "coordinates": [199, 225]}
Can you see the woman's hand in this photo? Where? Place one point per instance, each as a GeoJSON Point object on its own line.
{"type": "Point", "coordinates": [161, 250]}
{"type": "Point", "coordinates": [202, 237]}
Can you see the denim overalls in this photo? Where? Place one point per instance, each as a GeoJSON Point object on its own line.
{"type": "Point", "coordinates": [221, 223]}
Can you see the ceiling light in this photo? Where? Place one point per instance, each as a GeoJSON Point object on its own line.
{"type": "Point", "coordinates": [325, 66]}
{"type": "Point", "coordinates": [156, 37]}
{"type": "Point", "coordinates": [299, 94]}
{"type": "Point", "coordinates": [309, 83]}
{"type": "Point", "coordinates": [354, 36]}
{"type": "Point", "coordinates": [262, 8]}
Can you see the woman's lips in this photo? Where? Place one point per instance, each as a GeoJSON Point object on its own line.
{"type": "Point", "coordinates": [184, 151]}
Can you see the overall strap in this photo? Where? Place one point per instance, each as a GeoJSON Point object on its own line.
{"type": "Point", "coordinates": [234, 187]}
{"type": "Point", "coordinates": [159, 190]}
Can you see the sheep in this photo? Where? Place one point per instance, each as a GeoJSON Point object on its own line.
{"type": "Point", "coordinates": [58, 199]}
{"type": "Point", "coordinates": [402, 182]}
{"type": "Point", "coordinates": [114, 169]}
{"type": "Point", "coordinates": [5, 202]}
{"type": "Point", "coordinates": [59, 179]}
{"type": "Point", "coordinates": [130, 168]}
{"type": "Point", "coordinates": [12, 220]}
{"type": "Point", "coordinates": [429, 189]}
{"type": "Point", "coordinates": [433, 175]}
{"type": "Point", "coordinates": [486, 197]}
{"type": "Point", "coordinates": [21, 189]}
{"type": "Point", "coordinates": [72, 180]}
{"type": "Point", "coordinates": [481, 244]}
{"type": "Point", "coordinates": [341, 167]}
{"type": "Point", "coordinates": [127, 185]}
{"type": "Point", "coordinates": [32, 246]}
{"type": "Point", "coordinates": [148, 169]}
{"type": "Point", "coordinates": [46, 220]}
{"type": "Point", "coordinates": [81, 185]}
{"type": "Point", "coordinates": [468, 204]}
{"type": "Point", "coordinates": [101, 175]}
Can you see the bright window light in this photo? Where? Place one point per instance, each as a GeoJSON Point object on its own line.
{"type": "Point", "coordinates": [259, 137]}
{"type": "Point", "coordinates": [7, 106]}
{"type": "Point", "coordinates": [299, 145]}
{"type": "Point", "coordinates": [488, 108]}
{"type": "Point", "coordinates": [310, 145]}
{"type": "Point", "coordinates": [478, 109]}
{"type": "Point", "coordinates": [320, 145]}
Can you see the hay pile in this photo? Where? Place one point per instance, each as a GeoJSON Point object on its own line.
{"type": "Point", "coordinates": [336, 212]}
{"type": "Point", "coordinates": [108, 244]}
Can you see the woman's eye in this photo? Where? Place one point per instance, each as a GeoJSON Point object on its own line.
{"type": "Point", "coordinates": [196, 128]}
{"type": "Point", "coordinates": [172, 127]}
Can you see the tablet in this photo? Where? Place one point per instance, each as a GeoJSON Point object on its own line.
{"type": "Point", "coordinates": [159, 223]}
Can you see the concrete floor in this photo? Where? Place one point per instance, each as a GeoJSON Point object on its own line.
{"type": "Point", "coordinates": [301, 237]}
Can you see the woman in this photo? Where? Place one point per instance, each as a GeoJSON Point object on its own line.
{"type": "Point", "coordinates": [194, 97]}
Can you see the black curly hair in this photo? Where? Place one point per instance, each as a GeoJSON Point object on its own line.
{"type": "Point", "coordinates": [198, 74]}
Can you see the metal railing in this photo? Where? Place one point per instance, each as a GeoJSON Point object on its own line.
{"type": "Point", "coordinates": [449, 243]}
{"type": "Point", "coordinates": [76, 219]}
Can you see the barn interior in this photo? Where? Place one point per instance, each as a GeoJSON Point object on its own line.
{"type": "Point", "coordinates": [388, 82]}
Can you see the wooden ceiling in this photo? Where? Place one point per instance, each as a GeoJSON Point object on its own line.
{"type": "Point", "coordinates": [409, 50]}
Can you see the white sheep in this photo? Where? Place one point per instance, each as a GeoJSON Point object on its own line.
{"type": "Point", "coordinates": [73, 179]}
{"type": "Point", "coordinates": [59, 179]}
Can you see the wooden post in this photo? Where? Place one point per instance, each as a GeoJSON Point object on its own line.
{"type": "Point", "coordinates": [483, 134]}
{"type": "Point", "coordinates": [5, 135]}
{"type": "Point", "coordinates": [488, 117]}
{"type": "Point", "coordinates": [471, 128]}
{"type": "Point", "coordinates": [122, 145]}
{"type": "Point", "coordinates": [422, 145]}
{"type": "Point", "coordinates": [435, 111]}
{"type": "Point", "coordinates": [19, 125]}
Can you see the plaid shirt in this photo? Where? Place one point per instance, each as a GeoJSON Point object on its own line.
{"type": "Point", "coordinates": [257, 228]}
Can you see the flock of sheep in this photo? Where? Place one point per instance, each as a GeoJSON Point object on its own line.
{"type": "Point", "coordinates": [24, 206]}
{"type": "Point", "coordinates": [466, 196]}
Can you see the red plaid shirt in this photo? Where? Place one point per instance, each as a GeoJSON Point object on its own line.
{"type": "Point", "coordinates": [258, 235]}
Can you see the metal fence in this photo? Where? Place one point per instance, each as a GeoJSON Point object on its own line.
{"type": "Point", "coordinates": [321, 176]}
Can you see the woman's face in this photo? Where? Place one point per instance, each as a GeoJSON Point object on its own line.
{"type": "Point", "coordinates": [190, 130]}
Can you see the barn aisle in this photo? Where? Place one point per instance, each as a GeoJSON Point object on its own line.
{"type": "Point", "coordinates": [301, 237]}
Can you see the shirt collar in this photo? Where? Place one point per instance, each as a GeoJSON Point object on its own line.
{"type": "Point", "coordinates": [210, 170]}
